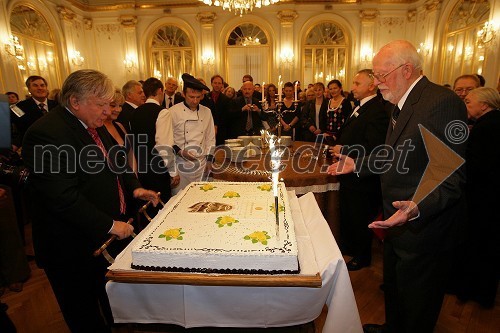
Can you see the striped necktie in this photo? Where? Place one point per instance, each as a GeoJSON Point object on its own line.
{"type": "Point", "coordinates": [42, 108]}
{"type": "Point", "coordinates": [395, 115]}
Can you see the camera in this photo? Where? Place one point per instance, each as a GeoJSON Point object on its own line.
{"type": "Point", "coordinates": [13, 175]}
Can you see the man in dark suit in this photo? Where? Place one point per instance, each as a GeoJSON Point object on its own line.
{"type": "Point", "coordinates": [221, 108]}
{"type": "Point", "coordinates": [422, 227]}
{"type": "Point", "coordinates": [151, 127]}
{"type": "Point", "coordinates": [78, 195]}
{"type": "Point", "coordinates": [172, 96]}
{"type": "Point", "coordinates": [134, 97]}
{"type": "Point", "coordinates": [359, 198]}
{"type": "Point", "coordinates": [245, 114]}
{"type": "Point", "coordinates": [26, 112]}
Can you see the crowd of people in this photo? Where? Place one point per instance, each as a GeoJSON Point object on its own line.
{"type": "Point", "coordinates": [150, 140]}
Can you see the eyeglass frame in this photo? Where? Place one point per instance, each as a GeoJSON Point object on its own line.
{"type": "Point", "coordinates": [463, 90]}
{"type": "Point", "coordinates": [382, 77]}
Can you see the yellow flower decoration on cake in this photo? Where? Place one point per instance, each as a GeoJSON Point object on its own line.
{"type": "Point", "coordinates": [258, 236]}
{"type": "Point", "coordinates": [231, 194]}
{"type": "Point", "coordinates": [172, 234]}
{"type": "Point", "coordinates": [265, 187]}
{"type": "Point", "coordinates": [281, 208]}
{"type": "Point", "coordinates": [207, 187]}
{"type": "Point", "coordinates": [226, 220]}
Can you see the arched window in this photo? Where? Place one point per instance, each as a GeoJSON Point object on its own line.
{"type": "Point", "coordinates": [171, 53]}
{"type": "Point", "coordinates": [324, 53]}
{"type": "Point", "coordinates": [39, 52]}
{"type": "Point", "coordinates": [463, 54]}
{"type": "Point", "coordinates": [247, 52]}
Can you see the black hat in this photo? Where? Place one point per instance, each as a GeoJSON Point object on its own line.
{"type": "Point", "coordinates": [191, 82]}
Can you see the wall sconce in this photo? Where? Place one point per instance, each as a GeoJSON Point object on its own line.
{"type": "Point", "coordinates": [287, 56]}
{"type": "Point", "coordinates": [208, 58]}
{"type": "Point", "coordinates": [450, 48]}
{"type": "Point", "coordinates": [50, 56]}
{"type": "Point", "coordinates": [487, 34]}
{"type": "Point", "coordinates": [424, 49]}
{"type": "Point", "coordinates": [157, 74]}
{"type": "Point", "coordinates": [76, 58]}
{"type": "Point", "coordinates": [14, 48]}
{"type": "Point", "coordinates": [341, 74]}
{"type": "Point", "coordinates": [366, 55]}
{"type": "Point", "coordinates": [31, 64]}
{"type": "Point", "coordinates": [42, 64]}
{"type": "Point", "coordinates": [130, 63]}
{"type": "Point", "coordinates": [468, 52]}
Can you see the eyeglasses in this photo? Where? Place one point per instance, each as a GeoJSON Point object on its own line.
{"type": "Point", "coordinates": [463, 90]}
{"type": "Point", "coordinates": [381, 77]}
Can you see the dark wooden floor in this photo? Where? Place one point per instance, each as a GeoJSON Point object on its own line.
{"type": "Point", "coordinates": [35, 310]}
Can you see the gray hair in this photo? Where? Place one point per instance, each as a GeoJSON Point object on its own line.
{"type": "Point", "coordinates": [489, 96]}
{"type": "Point", "coordinates": [129, 86]}
{"type": "Point", "coordinates": [403, 51]}
{"type": "Point", "coordinates": [468, 76]}
{"type": "Point", "coordinates": [85, 83]}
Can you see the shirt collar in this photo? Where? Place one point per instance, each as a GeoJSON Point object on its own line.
{"type": "Point", "coordinates": [366, 99]}
{"type": "Point", "coordinates": [132, 104]}
{"type": "Point", "coordinates": [45, 103]}
{"type": "Point", "coordinates": [405, 96]}
{"type": "Point", "coordinates": [152, 100]}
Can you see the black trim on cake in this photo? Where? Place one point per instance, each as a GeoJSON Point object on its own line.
{"type": "Point", "coordinates": [215, 271]}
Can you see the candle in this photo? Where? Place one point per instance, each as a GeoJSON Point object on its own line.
{"type": "Point", "coordinates": [275, 167]}
{"type": "Point", "coordinates": [263, 90]}
{"type": "Point", "coordinates": [279, 88]}
{"type": "Point", "coordinates": [296, 84]}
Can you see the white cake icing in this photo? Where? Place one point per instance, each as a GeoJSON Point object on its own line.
{"type": "Point", "coordinates": [242, 238]}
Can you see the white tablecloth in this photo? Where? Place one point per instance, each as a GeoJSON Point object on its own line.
{"type": "Point", "coordinates": [216, 306]}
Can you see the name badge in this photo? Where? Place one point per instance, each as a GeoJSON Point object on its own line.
{"type": "Point", "coordinates": [17, 111]}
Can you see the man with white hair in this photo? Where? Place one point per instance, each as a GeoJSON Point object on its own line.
{"type": "Point", "coordinates": [424, 213]}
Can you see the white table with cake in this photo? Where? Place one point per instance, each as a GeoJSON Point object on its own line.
{"type": "Point", "coordinates": [215, 257]}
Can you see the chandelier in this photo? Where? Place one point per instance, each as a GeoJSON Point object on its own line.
{"type": "Point", "coordinates": [239, 6]}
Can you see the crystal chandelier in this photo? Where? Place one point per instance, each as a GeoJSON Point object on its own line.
{"type": "Point", "coordinates": [239, 7]}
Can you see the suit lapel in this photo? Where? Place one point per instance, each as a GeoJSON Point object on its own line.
{"type": "Point", "coordinates": [361, 111]}
{"type": "Point", "coordinates": [406, 112]}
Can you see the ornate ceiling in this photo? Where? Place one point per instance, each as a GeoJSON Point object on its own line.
{"type": "Point", "coordinates": [95, 5]}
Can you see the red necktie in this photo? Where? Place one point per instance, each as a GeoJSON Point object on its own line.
{"type": "Point", "coordinates": [95, 136]}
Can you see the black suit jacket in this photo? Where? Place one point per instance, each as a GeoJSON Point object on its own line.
{"type": "Point", "coordinates": [177, 99]}
{"type": "Point", "coordinates": [31, 114]}
{"type": "Point", "coordinates": [442, 212]}
{"type": "Point", "coordinates": [308, 118]}
{"type": "Point", "coordinates": [74, 198]}
{"type": "Point", "coordinates": [238, 118]}
{"type": "Point", "coordinates": [360, 134]}
{"type": "Point", "coordinates": [124, 116]}
{"type": "Point", "coordinates": [220, 110]}
{"type": "Point", "coordinates": [152, 172]}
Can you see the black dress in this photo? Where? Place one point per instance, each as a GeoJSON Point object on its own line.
{"type": "Point", "coordinates": [482, 251]}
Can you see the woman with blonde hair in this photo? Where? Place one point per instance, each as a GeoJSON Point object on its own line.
{"type": "Point", "coordinates": [117, 130]}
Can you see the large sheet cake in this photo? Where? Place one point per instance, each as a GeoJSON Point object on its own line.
{"type": "Point", "coordinates": [221, 227]}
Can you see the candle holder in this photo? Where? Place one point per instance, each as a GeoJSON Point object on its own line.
{"type": "Point", "coordinates": [278, 112]}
